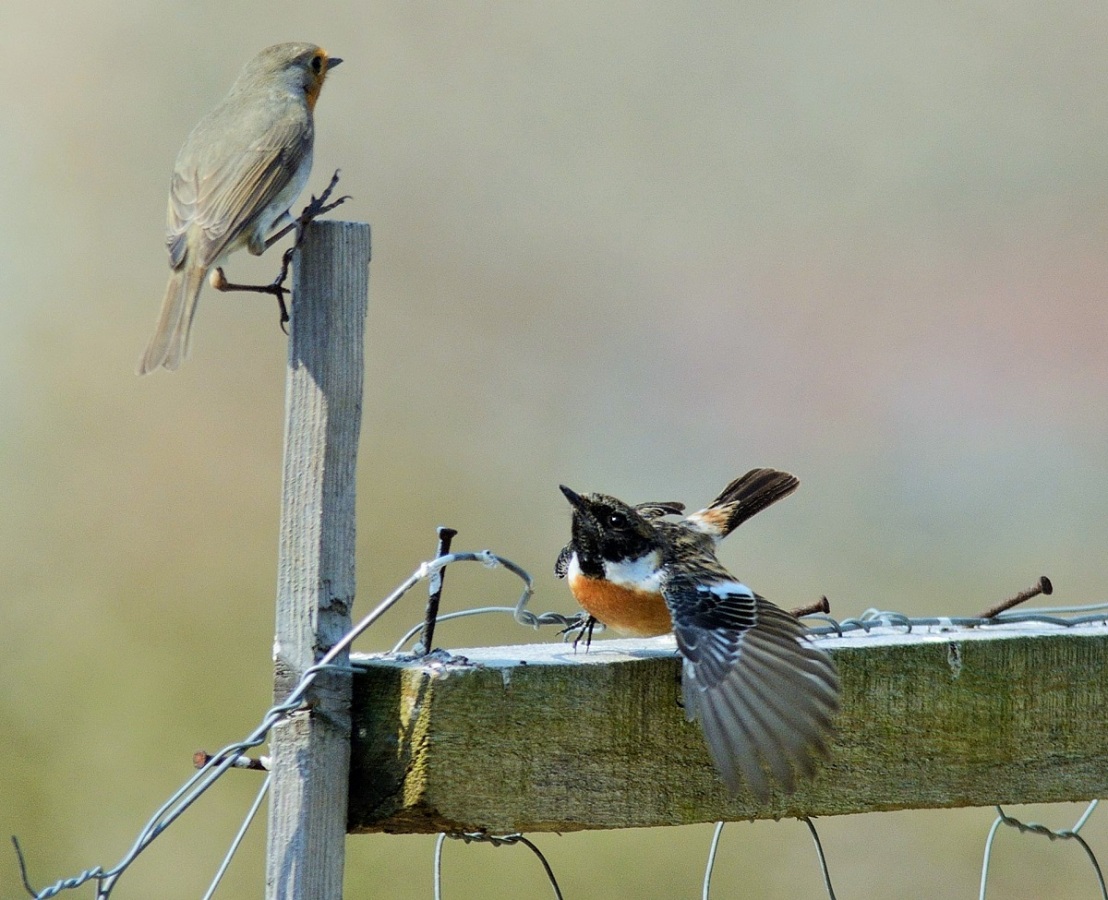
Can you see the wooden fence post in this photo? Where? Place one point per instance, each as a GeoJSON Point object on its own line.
{"type": "Point", "coordinates": [310, 752]}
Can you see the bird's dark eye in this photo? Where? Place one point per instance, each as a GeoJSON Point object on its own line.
{"type": "Point", "coordinates": [617, 520]}
{"type": "Point", "coordinates": [317, 64]}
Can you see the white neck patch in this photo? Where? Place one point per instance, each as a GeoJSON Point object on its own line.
{"type": "Point", "coordinates": [643, 573]}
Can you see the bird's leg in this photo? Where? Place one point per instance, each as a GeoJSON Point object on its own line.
{"type": "Point", "coordinates": [316, 207]}
{"type": "Point", "coordinates": [584, 626]}
{"type": "Point", "coordinates": [276, 287]}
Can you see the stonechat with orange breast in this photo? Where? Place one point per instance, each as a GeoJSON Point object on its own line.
{"type": "Point", "coordinates": [765, 695]}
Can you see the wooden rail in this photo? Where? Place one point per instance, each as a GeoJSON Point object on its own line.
{"type": "Point", "coordinates": [539, 738]}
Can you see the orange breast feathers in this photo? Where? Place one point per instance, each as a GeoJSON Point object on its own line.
{"type": "Point", "coordinates": [626, 610]}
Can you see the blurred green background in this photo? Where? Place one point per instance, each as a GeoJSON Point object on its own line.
{"type": "Point", "coordinates": [636, 247]}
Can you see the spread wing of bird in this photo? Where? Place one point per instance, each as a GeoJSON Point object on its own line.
{"type": "Point", "coordinates": [764, 694]}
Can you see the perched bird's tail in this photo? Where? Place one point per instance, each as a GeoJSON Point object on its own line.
{"type": "Point", "coordinates": [170, 342]}
{"type": "Point", "coordinates": [743, 498]}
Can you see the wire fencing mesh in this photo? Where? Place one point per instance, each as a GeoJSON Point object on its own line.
{"type": "Point", "coordinates": [211, 768]}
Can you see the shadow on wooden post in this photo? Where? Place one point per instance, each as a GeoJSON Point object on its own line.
{"type": "Point", "coordinates": [310, 752]}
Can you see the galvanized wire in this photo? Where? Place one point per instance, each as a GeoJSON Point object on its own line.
{"type": "Point", "coordinates": [821, 857]}
{"type": "Point", "coordinates": [877, 618]}
{"type": "Point", "coordinates": [233, 849]}
{"type": "Point", "coordinates": [870, 619]}
{"type": "Point", "coordinates": [227, 758]}
{"type": "Point", "coordinates": [1066, 834]}
{"type": "Point", "coordinates": [519, 612]}
{"type": "Point", "coordinates": [713, 848]}
{"type": "Point", "coordinates": [496, 841]}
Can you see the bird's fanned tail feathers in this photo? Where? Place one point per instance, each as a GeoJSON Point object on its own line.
{"type": "Point", "coordinates": [742, 498]}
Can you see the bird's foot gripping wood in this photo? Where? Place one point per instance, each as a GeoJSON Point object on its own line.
{"type": "Point", "coordinates": [316, 207]}
{"type": "Point", "coordinates": [584, 625]}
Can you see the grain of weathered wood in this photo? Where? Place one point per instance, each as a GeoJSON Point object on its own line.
{"type": "Point", "coordinates": [536, 738]}
{"type": "Point", "coordinates": [315, 573]}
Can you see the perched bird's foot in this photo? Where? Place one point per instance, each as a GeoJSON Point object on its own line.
{"type": "Point", "coordinates": [584, 625]}
{"type": "Point", "coordinates": [276, 287]}
{"type": "Point", "coordinates": [317, 206]}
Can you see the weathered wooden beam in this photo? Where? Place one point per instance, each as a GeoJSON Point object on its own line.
{"type": "Point", "coordinates": [315, 570]}
{"type": "Point", "coordinates": [539, 738]}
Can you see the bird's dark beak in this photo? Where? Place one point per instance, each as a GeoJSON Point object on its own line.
{"type": "Point", "coordinates": [576, 500]}
{"type": "Point", "coordinates": [333, 61]}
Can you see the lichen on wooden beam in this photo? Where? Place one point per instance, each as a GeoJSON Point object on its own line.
{"type": "Point", "coordinates": [539, 738]}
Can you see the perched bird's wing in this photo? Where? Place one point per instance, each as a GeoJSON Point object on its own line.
{"type": "Point", "coordinates": [764, 695]}
{"type": "Point", "coordinates": [561, 565]}
{"type": "Point", "coordinates": [658, 508]}
{"type": "Point", "coordinates": [223, 191]}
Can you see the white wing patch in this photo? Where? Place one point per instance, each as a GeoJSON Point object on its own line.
{"type": "Point", "coordinates": [726, 589]}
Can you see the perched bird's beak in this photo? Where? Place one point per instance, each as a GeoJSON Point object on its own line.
{"type": "Point", "coordinates": [333, 61]}
{"type": "Point", "coordinates": [575, 499]}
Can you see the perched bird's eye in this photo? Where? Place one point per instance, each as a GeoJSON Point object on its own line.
{"type": "Point", "coordinates": [317, 64]}
{"type": "Point", "coordinates": [617, 520]}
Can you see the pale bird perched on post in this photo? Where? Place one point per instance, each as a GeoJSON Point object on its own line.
{"type": "Point", "coordinates": [241, 168]}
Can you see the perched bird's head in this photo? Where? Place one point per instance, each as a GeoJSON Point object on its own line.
{"type": "Point", "coordinates": [297, 66]}
{"type": "Point", "coordinates": [607, 530]}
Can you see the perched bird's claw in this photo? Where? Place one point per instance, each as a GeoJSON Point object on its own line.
{"type": "Point", "coordinates": [319, 206]}
{"type": "Point", "coordinates": [316, 207]}
{"type": "Point", "coordinates": [584, 625]}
